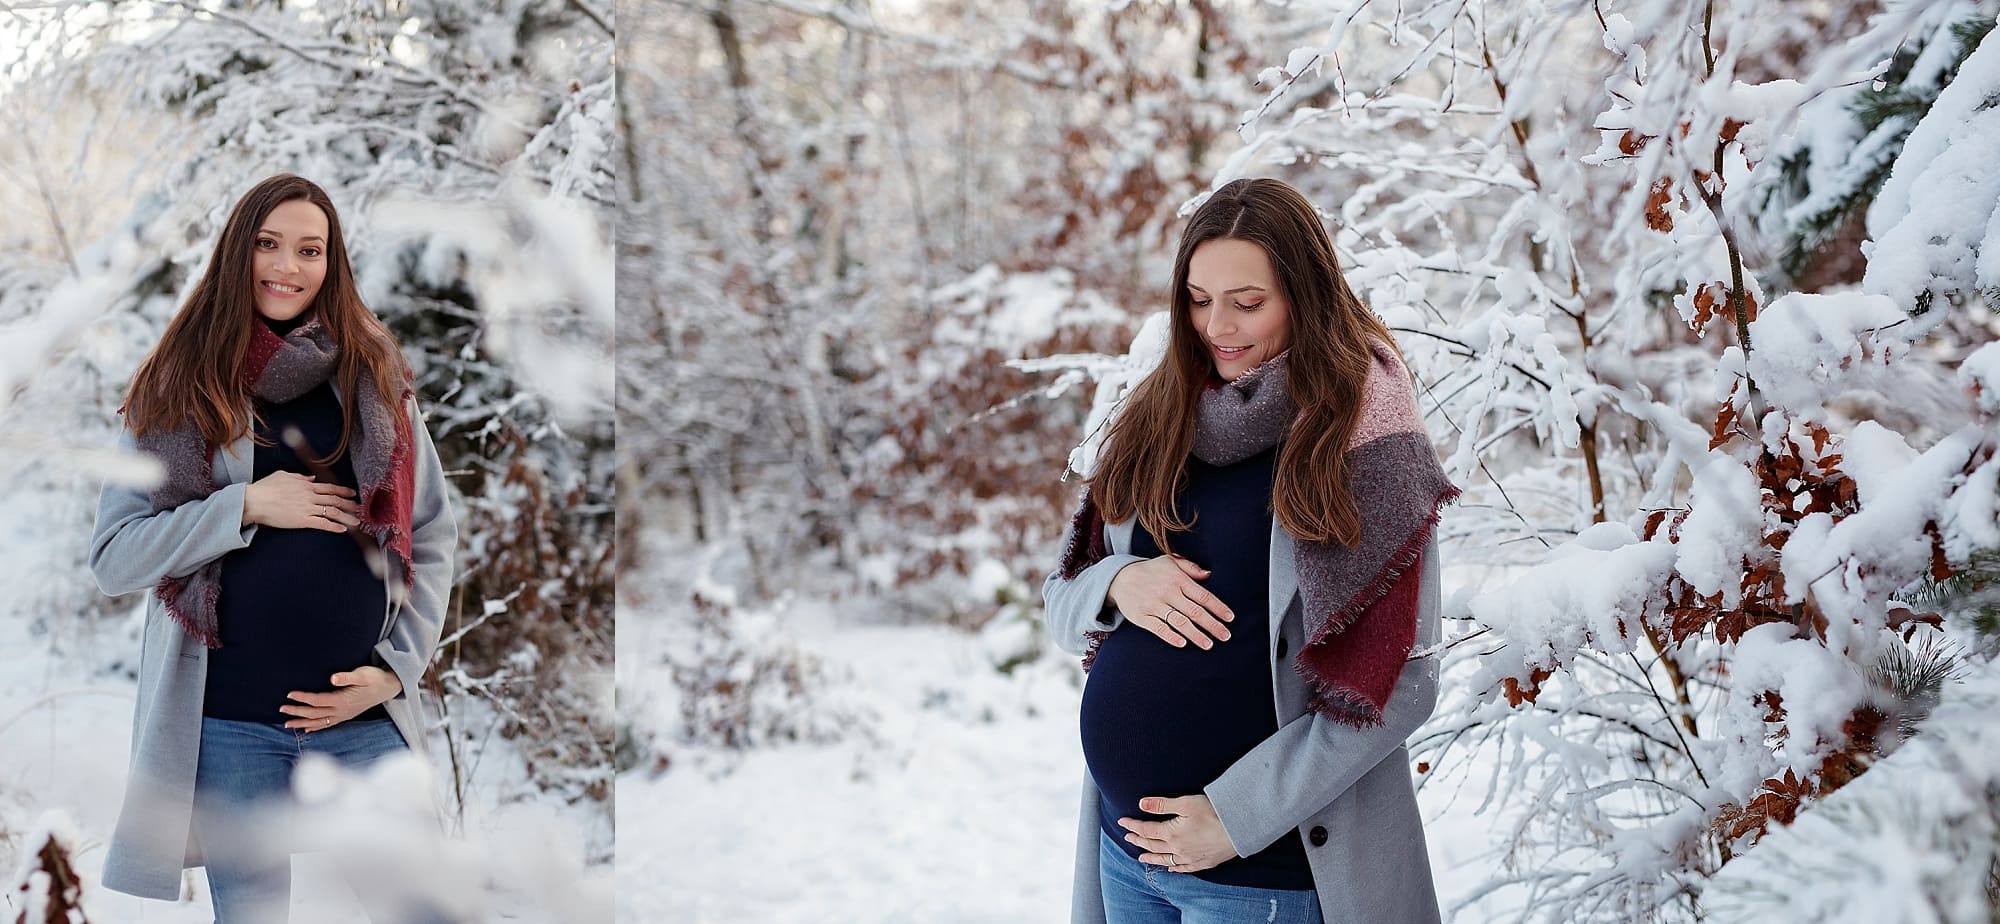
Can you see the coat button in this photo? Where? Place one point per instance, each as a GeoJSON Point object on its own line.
{"type": "Point", "coordinates": [1283, 646]}
{"type": "Point", "coordinates": [1317, 835]}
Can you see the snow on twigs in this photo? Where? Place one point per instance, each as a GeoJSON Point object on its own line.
{"type": "Point", "coordinates": [1811, 346]}
{"type": "Point", "coordinates": [1912, 840]}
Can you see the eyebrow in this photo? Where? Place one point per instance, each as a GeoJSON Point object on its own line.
{"type": "Point", "coordinates": [309, 237]}
{"type": "Point", "coordinates": [1229, 292]}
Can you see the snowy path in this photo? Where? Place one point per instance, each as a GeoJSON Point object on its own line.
{"type": "Point", "coordinates": [960, 806]}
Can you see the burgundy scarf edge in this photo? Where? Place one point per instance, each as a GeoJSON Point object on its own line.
{"type": "Point", "coordinates": [171, 591]}
{"type": "Point", "coordinates": [1345, 704]}
{"type": "Point", "coordinates": [393, 535]}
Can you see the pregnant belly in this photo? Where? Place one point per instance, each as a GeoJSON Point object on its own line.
{"type": "Point", "coordinates": [1163, 721]}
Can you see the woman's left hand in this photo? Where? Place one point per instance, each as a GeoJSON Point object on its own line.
{"type": "Point", "coordinates": [1192, 841]}
{"type": "Point", "coordinates": [354, 692]}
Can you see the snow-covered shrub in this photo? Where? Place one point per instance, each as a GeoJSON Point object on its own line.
{"type": "Point", "coordinates": [46, 888]}
{"type": "Point", "coordinates": [1013, 635]}
{"type": "Point", "coordinates": [742, 685]}
{"type": "Point", "coordinates": [1915, 839]}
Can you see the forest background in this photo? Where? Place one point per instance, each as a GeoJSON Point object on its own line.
{"type": "Point", "coordinates": [1699, 300]}
{"type": "Point", "coordinates": [469, 149]}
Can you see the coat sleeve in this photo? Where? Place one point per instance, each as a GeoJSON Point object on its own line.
{"type": "Point", "coordinates": [132, 548]}
{"type": "Point", "coordinates": [1312, 760]}
{"type": "Point", "coordinates": [1074, 606]}
{"type": "Point", "coordinates": [414, 632]}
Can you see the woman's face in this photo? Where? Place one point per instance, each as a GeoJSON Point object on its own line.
{"type": "Point", "coordinates": [290, 260]}
{"type": "Point", "coordinates": [1237, 308]}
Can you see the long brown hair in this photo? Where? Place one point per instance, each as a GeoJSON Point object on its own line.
{"type": "Point", "coordinates": [1144, 462]}
{"type": "Point", "coordinates": [195, 373]}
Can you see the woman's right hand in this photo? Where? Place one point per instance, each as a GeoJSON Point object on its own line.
{"type": "Point", "coordinates": [1160, 596]}
{"type": "Point", "coordinates": [289, 500]}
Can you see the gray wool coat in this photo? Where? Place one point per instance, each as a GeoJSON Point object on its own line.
{"type": "Point", "coordinates": [133, 548]}
{"type": "Point", "coordinates": [1345, 791]}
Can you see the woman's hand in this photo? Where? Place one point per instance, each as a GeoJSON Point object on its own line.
{"type": "Point", "coordinates": [354, 693]}
{"type": "Point", "coordinates": [289, 500]}
{"type": "Point", "coordinates": [1191, 841]}
{"type": "Point", "coordinates": [1160, 596]}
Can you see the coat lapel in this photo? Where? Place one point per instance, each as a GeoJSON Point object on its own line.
{"type": "Point", "coordinates": [1119, 536]}
{"type": "Point", "coordinates": [236, 464]}
{"type": "Point", "coordinates": [1284, 581]}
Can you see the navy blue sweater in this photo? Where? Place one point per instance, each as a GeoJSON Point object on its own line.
{"type": "Point", "coordinates": [1164, 721]}
{"type": "Point", "coordinates": [296, 605]}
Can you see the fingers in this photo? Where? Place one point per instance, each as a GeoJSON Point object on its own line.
{"type": "Point", "coordinates": [1208, 601]}
{"type": "Point", "coordinates": [321, 700]}
{"type": "Point", "coordinates": [1182, 623]}
{"type": "Point", "coordinates": [1159, 627]}
{"type": "Point", "coordinates": [1151, 846]}
{"type": "Point", "coordinates": [1203, 619]}
{"type": "Point", "coordinates": [1176, 628]}
{"type": "Point", "coordinates": [1189, 568]}
{"type": "Point", "coordinates": [1148, 832]}
{"type": "Point", "coordinates": [329, 511]}
{"type": "Point", "coordinates": [1161, 805]}
{"type": "Point", "coordinates": [336, 515]}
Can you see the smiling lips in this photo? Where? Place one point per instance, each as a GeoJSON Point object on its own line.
{"type": "Point", "coordinates": [1229, 352]}
{"type": "Point", "coordinates": [280, 289]}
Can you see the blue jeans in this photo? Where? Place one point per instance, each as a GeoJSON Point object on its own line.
{"type": "Point", "coordinates": [244, 769]}
{"type": "Point", "coordinates": [1140, 893]}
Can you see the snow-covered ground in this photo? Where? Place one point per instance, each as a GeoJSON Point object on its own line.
{"type": "Point", "coordinates": [65, 726]}
{"type": "Point", "coordinates": [955, 800]}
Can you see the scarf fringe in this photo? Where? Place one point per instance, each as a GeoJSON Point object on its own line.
{"type": "Point", "coordinates": [172, 591]}
{"type": "Point", "coordinates": [385, 532]}
{"type": "Point", "coordinates": [1090, 654]}
{"type": "Point", "coordinates": [1331, 699]}
{"type": "Point", "coordinates": [1086, 544]}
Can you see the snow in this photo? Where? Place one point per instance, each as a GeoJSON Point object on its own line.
{"type": "Point", "coordinates": [1979, 374]}
{"type": "Point", "coordinates": [1819, 686]}
{"type": "Point", "coordinates": [1909, 842]}
{"type": "Point", "coordinates": [1722, 531]}
{"type": "Point", "coordinates": [1590, 592]}
{"type": "Point", "coordinates": [958, 801]}
{"type": "Point", "coordinates": [1806, 347]}
{"type": "Point", "coordinates": [1933, 221]}
{"type": "Point", "coordinates": [64, 745]}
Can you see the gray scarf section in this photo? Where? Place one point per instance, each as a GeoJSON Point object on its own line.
{"type": "Point", "coordinates": [1246, 416]}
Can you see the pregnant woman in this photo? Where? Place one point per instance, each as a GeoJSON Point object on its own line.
{"type": "Point", "coordinates": [1248, 579]}
{"type": "Point", "coordinates": [298, 549]}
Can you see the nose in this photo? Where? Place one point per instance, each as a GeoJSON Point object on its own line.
{"type": "Point", "coordinates": [1218, 323]}
{"type": "Point", "coordinates": [286, 262]}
